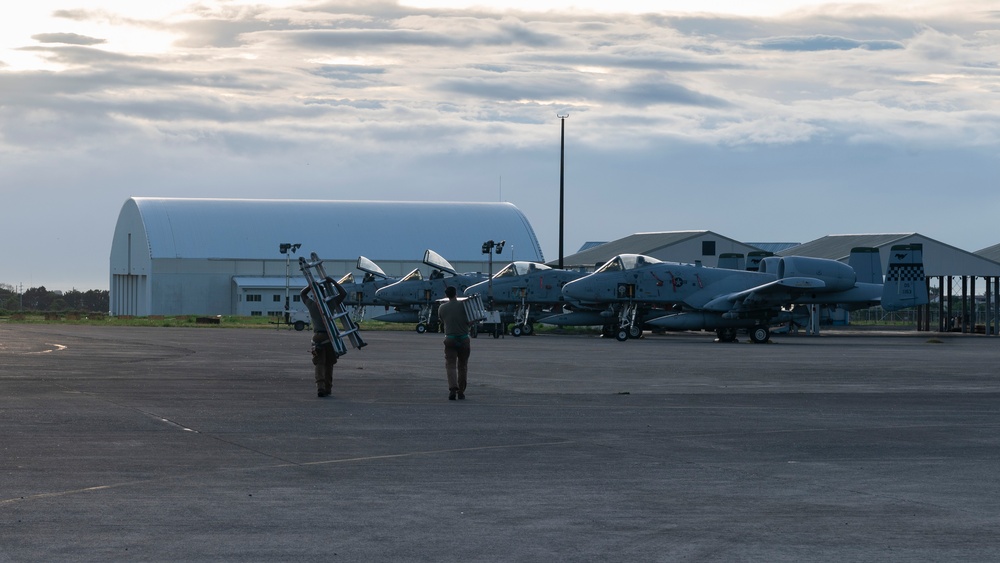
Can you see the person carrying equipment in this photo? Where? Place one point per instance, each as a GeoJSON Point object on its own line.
{"type": "Point", "coordinates": [457, 344]}
{"type": "Point", "coordinates": [324, 356]}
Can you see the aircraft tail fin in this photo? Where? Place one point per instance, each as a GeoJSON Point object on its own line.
{"type": "Point", "coordinates": [905, 284]}
{"type": "Point", "coordinates": [754, 257]}
{"type": "Point", "coordinates": [867, 264]}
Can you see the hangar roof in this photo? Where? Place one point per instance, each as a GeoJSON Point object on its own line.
{"type": "Point", "coordinates": [639, 243]}
{"type": "Point", "coordinates": [838, 247]}
{"type": "Point", "coordinates": [939, 259]}
{"type": "Point", "coordinates": [990, 253]}
{"type": "Point", "coordinates": [381, 230]}
{"type": "Point", "coordinates": [774, 247]}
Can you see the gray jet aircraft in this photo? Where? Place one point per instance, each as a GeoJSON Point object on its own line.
{"type": "Point", "coordinates": [415, 298]}
{"type": "Point", "coordinates": [523, 285]}
{"type": "Point", "coordinates": [362, 294]}
{"type": "Point", "coordinates": [642, 291]}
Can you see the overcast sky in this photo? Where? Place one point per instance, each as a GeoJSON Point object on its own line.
{"type": "Point", "coordinates": [784, 124]}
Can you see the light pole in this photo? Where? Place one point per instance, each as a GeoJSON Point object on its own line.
{"type": "Point", "coordinates": [488, 248]}
{"type": "Point", "coordinates": [562, 158]}
{"type": "Point", "coordinates": [284, 248]}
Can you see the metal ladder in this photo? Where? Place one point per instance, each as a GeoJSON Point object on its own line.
{"type": "Point", "coordinates": [336, 318]}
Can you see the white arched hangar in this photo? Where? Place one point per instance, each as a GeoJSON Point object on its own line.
{"type": "Point", "coordinates": [173, 256]}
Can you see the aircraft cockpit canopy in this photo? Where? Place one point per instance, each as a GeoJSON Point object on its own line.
{"type": "Point", "coordinates": [370, 268]}
{"type": "Point", "coordinates": [515, 269]}
{"type": "Point", "coordinates": [436, 261]}
{"type": "Point", "coordinates": [348, 278]}
{"type": "Point", "coordinates": [413, 276]}
{"type": "Point", "coordinates": [624, 262]}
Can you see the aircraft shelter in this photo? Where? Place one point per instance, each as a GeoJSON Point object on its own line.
{"type": "Point", "coordinates": [953, 276]}
{"type": "Point", "coordinates": [177, 256]}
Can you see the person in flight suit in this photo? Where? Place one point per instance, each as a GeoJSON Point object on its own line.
{"type": "Point", "coordinates": [324, 355]}
{"type": "Point", "coordinates": [457, 344]}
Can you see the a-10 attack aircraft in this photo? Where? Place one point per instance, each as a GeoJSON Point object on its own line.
{"type": "Point", "coordinates": [415, 298]}
{"type": "Point", "coordinates": [361, 294]}
{"type": "Point", "coordinates": [530, 289]}
{"type": "Point", "coordinates": [638, 291]}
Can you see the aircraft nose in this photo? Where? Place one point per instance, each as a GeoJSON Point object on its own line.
{"type": "Point", "coordinates": [475, 288]}
{"type": "Point", "coordinates": [386, 293]}
{"type": "Point", "coordinates": [580, 289]}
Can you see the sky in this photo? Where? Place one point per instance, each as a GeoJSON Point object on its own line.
{"type": "Point", "coordinates": [782, 123]}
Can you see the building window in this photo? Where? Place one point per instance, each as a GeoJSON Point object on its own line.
{"type": "Point", "coordinates": [277, 298]}
{"type": "Point", "coordinates": [253, 297]}
{"type": "Point", "coordinates": [275, 314]}
{"type": "Point", "coordinates": [296, 298]}
{"type": "Point", "coordinates": [256, 314]}
{"type": "Point", "coordinates": [708, 248]}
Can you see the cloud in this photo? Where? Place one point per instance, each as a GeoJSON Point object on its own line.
{"type": "Point", "coordinates": [370, 99]}
{"type": "Point", "coordinates": [67, 38]}
{"type": "Point", "coordinates": [89, 57]}
{"type": "Point", "coordinates": [825, 43]}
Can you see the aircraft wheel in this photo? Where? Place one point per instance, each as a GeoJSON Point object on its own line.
{"type": "Point", "coordinates": [760, 334]}
{"type": "Point", "coordinates": [517, 331]}
{"type": "Point", "coordinates": [299, 326]}
{"type": "Point", "coordinates": [621, 335]}
{"type": "Point", "coordinates": [421, 328]}
{"type": "Point", "coordinates": [496, 331]}
{"type": "Point", "coordinates": [634, 331]}
{"type": "Point", "coordinates": [726, 334]}
{"type": "Point", "coordinates": [528, 329]}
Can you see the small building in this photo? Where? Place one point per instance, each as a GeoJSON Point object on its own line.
{"type": "Point", "coordinates": [178, 256]}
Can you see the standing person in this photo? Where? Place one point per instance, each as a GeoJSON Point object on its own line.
{"type": "Point", "coordinates": [457, 344]}
{"type": "Point", "coordinates": [324, 355]}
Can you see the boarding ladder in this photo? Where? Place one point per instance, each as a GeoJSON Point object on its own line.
{"type": "Point", "coordinates": [336, 318]}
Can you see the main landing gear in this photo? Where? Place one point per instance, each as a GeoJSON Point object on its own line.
{"type": "Point", "coordinates": [522, 330]}
{"type": "Point", "coordinates": [758, 334]}
{"type": "Point", "coordinates": [726, 334]}
{"type": "Point", "coordinates": [626, 332]}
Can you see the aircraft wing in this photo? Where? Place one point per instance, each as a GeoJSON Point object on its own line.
{"type": "Point", "coordinates": [770, 294]}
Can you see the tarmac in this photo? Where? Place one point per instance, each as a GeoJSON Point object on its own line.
{"type": "Point", "coordinates": [210, 444]}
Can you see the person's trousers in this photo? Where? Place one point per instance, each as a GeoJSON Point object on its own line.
{"type": "Point", "coordinates": [456, 362]}
{"type": "Point", "coordinates": [324, 356]}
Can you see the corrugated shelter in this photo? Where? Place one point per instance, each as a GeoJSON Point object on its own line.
{"type": "Point", "coordinates": [950, 272]}
{"type": "Point", "coordinates": [940, 259]}
{"type": "Point", "coordinates": [173, 256]}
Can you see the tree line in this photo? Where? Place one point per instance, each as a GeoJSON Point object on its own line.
{"type": "Point", "coordinates": [40, 299]}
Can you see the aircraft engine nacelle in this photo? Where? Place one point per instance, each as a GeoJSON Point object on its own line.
{"type": "Point", "coordinates": [836, 275]}
{"type": "Point", "coordinates": [769, 265]}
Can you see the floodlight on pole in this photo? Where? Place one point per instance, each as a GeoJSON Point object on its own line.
{"type": "Point", "coordinates": [562, 159]}
{"type": "Point", "coordinates": [287, 248]}
{"type": "Point", "coordinates": [489, 247]}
